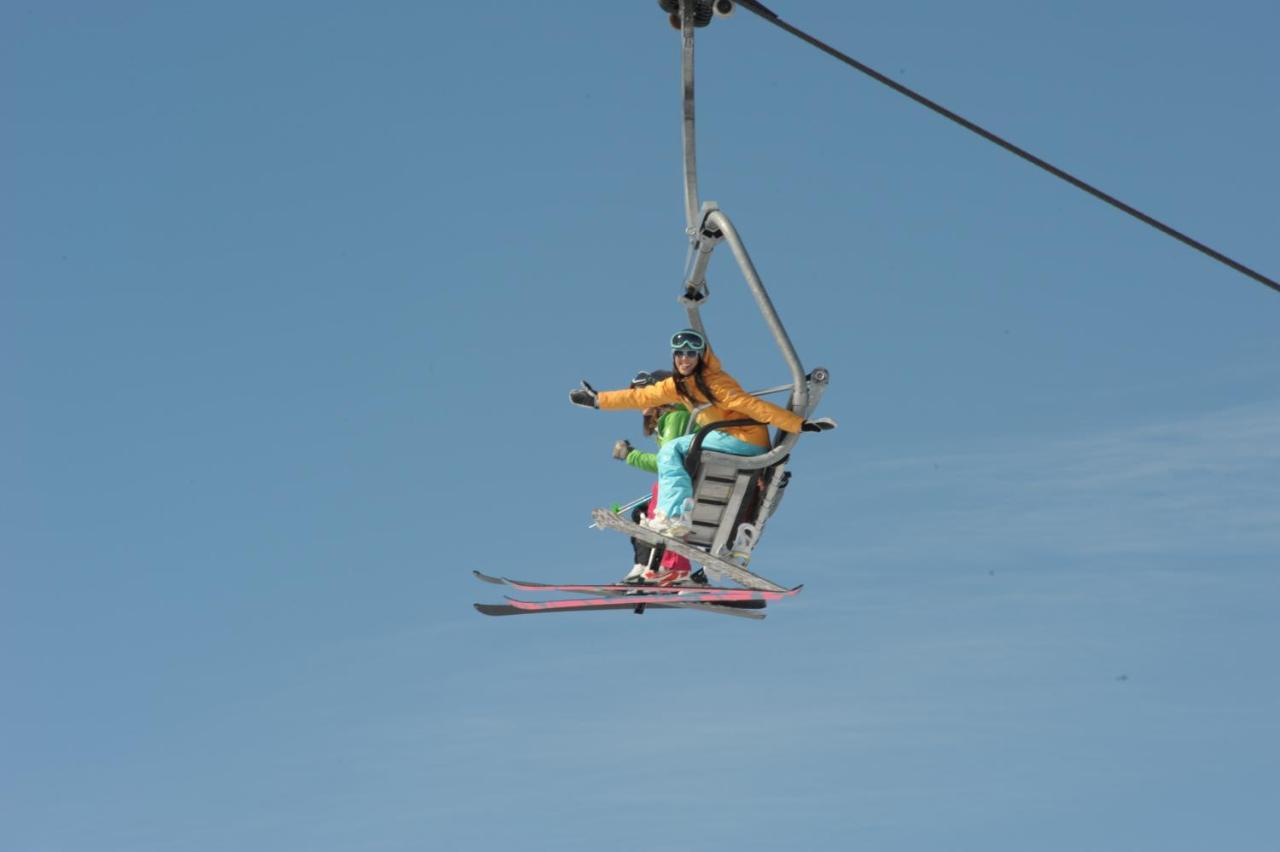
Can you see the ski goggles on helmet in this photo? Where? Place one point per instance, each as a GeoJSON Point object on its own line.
{"type": "Point", "coordinates": [688, 341]}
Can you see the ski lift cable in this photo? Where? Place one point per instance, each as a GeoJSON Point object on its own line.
{"type": "Point", "coordinates": [772, 18]}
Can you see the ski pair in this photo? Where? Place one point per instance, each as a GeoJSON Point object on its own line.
{"type": "Point", "coordinates": [738, 602]}
{"type": "Point", "coordinates": [648, 598]}
{"type": "Point", "coordinates": [627, 588]}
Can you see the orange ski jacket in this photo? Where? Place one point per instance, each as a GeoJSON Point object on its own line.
{"type": "Point", "coordinates": [732, 403]}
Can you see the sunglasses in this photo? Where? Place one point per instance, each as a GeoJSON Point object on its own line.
{"type": "Point", "coordinates": [688, 340]}
{"type": "Point", "coordinates": [686, 353]}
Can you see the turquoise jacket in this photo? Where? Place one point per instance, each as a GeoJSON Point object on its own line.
{"type": "Point", "coordinates": [670, 425]}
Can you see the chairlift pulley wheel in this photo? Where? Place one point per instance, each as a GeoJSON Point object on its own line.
{"type": "Point", "coordinates": [703, 11]}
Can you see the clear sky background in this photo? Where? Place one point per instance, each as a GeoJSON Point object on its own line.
{"type": "Point", "coordinates": [291, 295]}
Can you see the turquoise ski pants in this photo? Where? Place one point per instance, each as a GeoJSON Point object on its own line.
{"type": "Point", "coordinates": [674, 485]}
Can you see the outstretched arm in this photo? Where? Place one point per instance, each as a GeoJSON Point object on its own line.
{"type": "Point", "coordinates": [663, 393]}
{"type": "Point", "coordinates": [643, 461]}
{"type": "Point", "coordinates": [729, 394]}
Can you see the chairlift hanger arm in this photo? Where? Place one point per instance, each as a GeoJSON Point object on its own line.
{"type": "Point", "coordinates": [718, 222]}
{"type": "Point", "coordinates": [707, 225]}
{"type": "Point", "coordinates": [687, 127]}
{"type": "Point", "coordinates": [688, 16]}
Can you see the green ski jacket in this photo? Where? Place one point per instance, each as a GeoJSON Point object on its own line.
{"type": "Point", "coordinates": [670, 425]}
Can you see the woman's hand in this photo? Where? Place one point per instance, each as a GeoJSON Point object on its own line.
{"type": "Point", "coordinates": [822, 424]}
{"type": "Point", "coordinates": [584, 396]}
{"type": "Point", "coordinates": [622, 449]}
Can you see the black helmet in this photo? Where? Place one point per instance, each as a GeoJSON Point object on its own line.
{"type": "Point", "coordinates": [645, 378]}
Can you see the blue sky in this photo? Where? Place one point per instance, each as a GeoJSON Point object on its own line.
{"type": "Point", "coordinates": [290, 298]}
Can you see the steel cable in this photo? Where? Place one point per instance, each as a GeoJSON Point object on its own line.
{"type": "Point", "coordinates": [771, 17]}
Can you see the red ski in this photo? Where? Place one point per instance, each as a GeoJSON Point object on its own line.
{"type": "Point", "coordinates": [627, 588]}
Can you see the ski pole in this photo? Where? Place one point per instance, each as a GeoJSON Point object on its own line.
{"type": "Point", "coordinates": [618, 510]}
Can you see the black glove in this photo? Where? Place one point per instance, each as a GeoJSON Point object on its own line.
{"type": "Point", "coordinates": [820, 425]}
{"type": "Point", "coordinates": [584, 396]}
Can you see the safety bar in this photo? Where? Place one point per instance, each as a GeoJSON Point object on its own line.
{"type": "Point", "coordinates": [694, 455]}
{"type": "Point", "coordinates": [721, 222]}
{"type": "Point", "coordinates": [717, 226]}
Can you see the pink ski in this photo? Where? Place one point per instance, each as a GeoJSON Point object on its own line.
{"type": "Point", "coordinates": [741, 609]}
{"type": "Point", "coordinates": [653, 595]}
{"type": "Point", "coordinates": [621, 588]}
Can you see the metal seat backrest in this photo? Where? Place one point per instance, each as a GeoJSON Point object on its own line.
{"type": "Point", "coordinates": [722, 491]}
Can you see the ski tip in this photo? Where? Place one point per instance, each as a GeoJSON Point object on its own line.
{"type": "Point", "coordinates": [494, 609]}
{"type": "Point", "coordinates": [497, 581]}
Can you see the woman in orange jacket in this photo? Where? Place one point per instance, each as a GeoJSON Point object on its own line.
{"type": "Point", "coordinates": [698, 380]}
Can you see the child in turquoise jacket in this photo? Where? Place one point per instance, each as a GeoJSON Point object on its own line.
{"type": "Point", "coordinates": [664, 423]}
